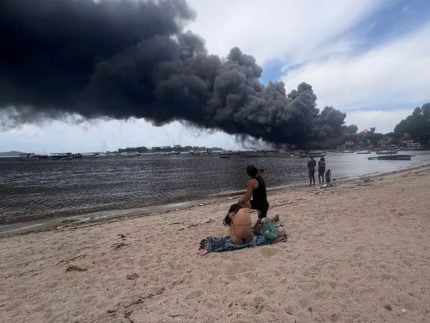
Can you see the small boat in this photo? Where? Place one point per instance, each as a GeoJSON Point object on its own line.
{"type": "Point", "coordinates": [391, 157]}
{"type": "Point", "coordinates": [129, 154]}
{"type": "Point", "coordinates": [386, 152]}
{"type": "Point", "coordinates": [363, 152]}
{"type": "Point", "coordinates": [224, 155]}
{"type": "Point", "coordinates": [64, 156]}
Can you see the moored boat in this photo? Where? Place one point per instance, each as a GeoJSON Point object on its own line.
{"type": "Point", "coordinates": [386, 152]}
{"type": "Point", "coordinates": [391, 157]}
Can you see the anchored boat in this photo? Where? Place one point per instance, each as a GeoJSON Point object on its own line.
{"type": "Point", "coordinates": [391, 157]}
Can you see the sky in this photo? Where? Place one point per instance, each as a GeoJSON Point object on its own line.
{"type": "Point", "coordinates": [367, 58]}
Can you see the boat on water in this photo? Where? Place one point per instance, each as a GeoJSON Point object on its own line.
{"type": "Point", "coordinates": [130, 154]}
{"type": "Point", "coordinates": [386, 152]}
{"type": "Point", "coordinates": [363, 152]}
{"type": "Point", "coordinates": [63, 156]}
{"type": "Point", "coordinates": [32, 156]}
{"type": "Point", "coordinates": [390, 157]}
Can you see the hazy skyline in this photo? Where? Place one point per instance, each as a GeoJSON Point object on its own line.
{"type": "Point", "coordinates": [368, 59]}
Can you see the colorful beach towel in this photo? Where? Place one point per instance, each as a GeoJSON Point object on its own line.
{"type": "Point", "coordinates": [220, 244]}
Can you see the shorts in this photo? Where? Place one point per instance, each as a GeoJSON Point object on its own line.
{"type": "Point", "coordinates": [311, 173]}
{"type": "Point", "coordinates": [262, 209]}
{"type": "Point", "coordinates": [321, 172]}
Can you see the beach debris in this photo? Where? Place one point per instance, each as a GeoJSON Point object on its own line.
{"type": "Point", "coordinates": [281, 204]}
{"type": "Point", "coordinates": [75, 268]}
{"type": "Point", "coordinates": [133, 276]}
{"type": "Point", "coordinates": [388, 307]}
{"type": "Point", "coordinates": [201, 204]}
{"type": "Point", "coordinates": [70, 259]}
{"type": "Point", "coordinates": [122, 243]}
{"type": "Point", "coordinates": [193, 225]}
{"type": "Point", "coordinates": [119, 245]}
{"type": "Point", "coordinates": [68, 221]}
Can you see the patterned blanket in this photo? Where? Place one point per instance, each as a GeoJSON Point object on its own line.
{"type": "Point", "coordinates": [219, 244]}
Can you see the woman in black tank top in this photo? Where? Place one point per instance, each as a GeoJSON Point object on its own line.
{"type": "Point", "coordinates": [255, 188]}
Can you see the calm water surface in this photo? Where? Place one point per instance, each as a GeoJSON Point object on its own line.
{"type": "Point", "coordinates": [51, 188]}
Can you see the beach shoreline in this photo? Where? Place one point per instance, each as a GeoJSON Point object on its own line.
{"type": "Point", "coordinates": [60, 222]}
{"type": "Point", "coordinates": [356, 252]}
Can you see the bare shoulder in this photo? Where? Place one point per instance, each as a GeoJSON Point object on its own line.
{"type": "Point", "coordinates": [252, 182]}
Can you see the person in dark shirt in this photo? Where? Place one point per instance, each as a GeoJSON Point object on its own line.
{"type": "Point", "coordinates": [311, 170]}
{"type": "Point", "coordinates": [255, 188]}
{"type": "Point", "coordinates": [321, 170]}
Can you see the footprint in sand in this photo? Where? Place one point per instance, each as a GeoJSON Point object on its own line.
{"type": "Point", "coordinates": [269, 252]}
{"type": "Point", "coordinates": [194, 294]}
{"type": "Point", "coordinates": [214, 272]}
{"type": "Point", "coordinates": [250, 275]}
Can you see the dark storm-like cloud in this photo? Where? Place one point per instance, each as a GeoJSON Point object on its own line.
{"type": "Point", "coordinates": [125, 58]}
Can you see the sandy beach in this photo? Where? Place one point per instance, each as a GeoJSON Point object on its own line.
{"type": "Point", "coordinates": [356, 252]}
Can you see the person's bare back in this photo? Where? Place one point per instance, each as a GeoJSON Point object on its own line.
{"type": "Point", "coordinates": [240, 228]}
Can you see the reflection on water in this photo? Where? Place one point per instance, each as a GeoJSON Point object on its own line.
{"type": "Point", "coordinates": [37, 189]}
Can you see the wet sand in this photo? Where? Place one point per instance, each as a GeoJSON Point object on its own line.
{"type": "Point", "coordinates": [356, 252]}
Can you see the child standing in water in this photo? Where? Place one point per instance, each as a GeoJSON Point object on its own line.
{"type": "Point", "coordinates": [328, 177]}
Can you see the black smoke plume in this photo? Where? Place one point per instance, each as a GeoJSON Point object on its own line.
{"type": "Point", "coordinates": [129, 58]}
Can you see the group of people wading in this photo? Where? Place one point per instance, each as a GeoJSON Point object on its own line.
{"type": "Point", "coordinates": [324, 176]}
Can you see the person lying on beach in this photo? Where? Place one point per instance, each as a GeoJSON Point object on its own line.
{"type": "Point", "coordinates": [255, 188]}
{"type": "Point", "coordinates": [239, 220]}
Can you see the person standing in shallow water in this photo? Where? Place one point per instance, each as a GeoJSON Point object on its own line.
{"type": "Point", "coordinates": [321, 170]}
{"type": "Point", "coordinates": [255, 188]}
{"type": "Point", "coordinates": [311, 170]}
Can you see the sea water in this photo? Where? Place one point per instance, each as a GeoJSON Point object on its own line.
{"type": "Point", "coordinates": [42, 189]}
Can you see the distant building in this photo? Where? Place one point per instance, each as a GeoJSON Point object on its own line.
{"type": "Point", "coordinates": [413, 145]}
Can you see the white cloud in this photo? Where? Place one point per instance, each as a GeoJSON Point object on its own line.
{"type": "Point", "coordinates": [277, 29]}
{"type": "Point", "coordinates": [393, 75]}
{"type": "Point", "coordinates": [383, 121]}
{"type": "Point", "coordinates": [92, 136]}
